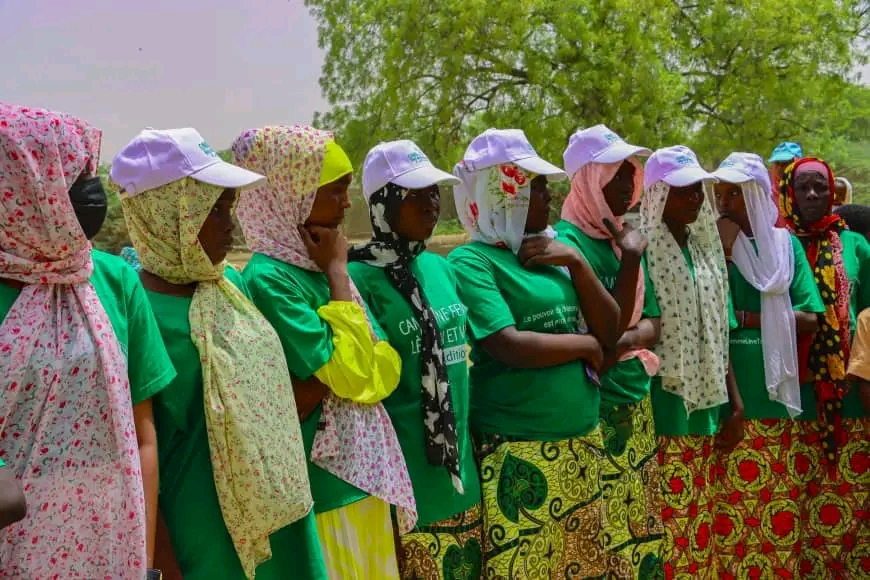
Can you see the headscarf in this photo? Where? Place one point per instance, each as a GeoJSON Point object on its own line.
{"type": "Point", "coordinates": [493, 204]}
{"type": "Point", "coordinates": [254, 437]}
{"type": "Point", "coordinates": [67, 422]}
{"type": "Point", "coordinates": [769, 268]}
{"type": "Point", "coordinates": [390, 251]}
{"type": "Point", "coordinates": [824, 355]}
{"type": "Point", "coordinates": [848, 185]}
{"type": "Point", "coordinates": [292, 159]}
{"type": "Point", "coordinates": [586, 208]}
{"type": "Point", "coordinates": [693, 348]}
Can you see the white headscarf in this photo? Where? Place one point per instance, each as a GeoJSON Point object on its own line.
{"type": "Point", "coordinates": [694, 313]}
{"type": "Point", "coordinates": [769, 268]}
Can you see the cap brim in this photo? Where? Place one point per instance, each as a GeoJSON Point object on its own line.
{"type": "Point", "coordinates": [781, 158]}
{"type": "Point", "coordinates": [225, 174]}
{"type": "Point", "coordinates": [425, 176]}
{"type": "Point", "coordinates": [538, 166]}
{"type": "Point", "coordinates": [730, 175]}
{"type": "Point", "coordinates": [688, 176]}
{"type": "Point", "coordinates": [621, 152]}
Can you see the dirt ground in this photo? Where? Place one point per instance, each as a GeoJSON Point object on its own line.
{"type": "Point", "coordinates": [439, 244]}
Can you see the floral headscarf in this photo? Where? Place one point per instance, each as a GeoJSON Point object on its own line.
{"type": "Point", "coordinates": [390, 251]}
{"type": "Point", "coordinates": [493, 204]}
{"type": "Point", "coordinates": [255, 440]}
{"type": "Point", "coordinates": [694, 344]}
{"type": "Point", "coordinates": [586, 208]}
{"type": "Point", "coordinates": [358, 443]}
{"type": "Point", "coordinates": [825, 354]}
{"type": "Point", "coordinates": [66, 425]}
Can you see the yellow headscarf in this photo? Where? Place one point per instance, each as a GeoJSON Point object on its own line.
{"type": "Point", "coordinates": [254, 437]}
{"type": "Point", "coordinates": [336, 164]}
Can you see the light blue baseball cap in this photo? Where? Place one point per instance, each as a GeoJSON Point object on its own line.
{"type": "Point", "coordinates": [786, 152]}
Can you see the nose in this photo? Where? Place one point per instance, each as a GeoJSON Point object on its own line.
{"type": "Point", "coordinates": [345, 200]}
{"type": "Point", "coordinates": [722, 204]}
{"type": "Point", "coordinates": [812, 193]}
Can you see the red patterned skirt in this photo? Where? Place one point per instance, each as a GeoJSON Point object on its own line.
{"type": "Point", "coordinates": [686, 467]}
{"type": "Point", "coordinates": [779, 512]}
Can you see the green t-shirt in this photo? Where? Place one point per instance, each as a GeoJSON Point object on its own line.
{"type": "Point", "coordinates": [627, 382]}
{"type": "Point", "coordinates": [669, 409]}
{"type": "Point", "coordinates": [856, 260]}
{"type": "Point", "coordinates": [123, 298]}
{"type": "Point", "coordinates": [289, 296]}
{"type": "Point", "coordinates": [188, 498]}
{"type": "Point", "coordinates": [545, 404]}
{"type": "Point", "coordinates": [747, 355]}
{"type": "Point", "coordinates": [436, 498]}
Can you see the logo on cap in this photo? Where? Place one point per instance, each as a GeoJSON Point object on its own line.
{"type": "Point", "coordinates": [685, 160]}
{"type": "Point", "coordinates": [417, 157]}
{"type": "Point", "coordinates": [207, 149]}
{"type": "Point", "coordinates": [611, 137]}
{"type": "Point", "coordinates": [728, 163]}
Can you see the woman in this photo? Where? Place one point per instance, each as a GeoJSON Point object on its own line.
{"type": "Point", "coordinates": [233, 478]}
{"type": "Point", "coordinates": [686, 267]}
{"type": "Point", "coordinates": [842, 192]}
{"type": "Point", "coordinates": [775, 299]}
{"type": "Point", "coordinates": [834, 440]}
{"type": "Point", "coordinates": [607, 180]}
{"type": "Point", "coordinates": [534, 398]}
{"type": "Point", "coordinates": [63, 345]}
{"type": "Point", "coordinates": [412, 295]}
{"type": "Point", "coordinates": [341, 369]}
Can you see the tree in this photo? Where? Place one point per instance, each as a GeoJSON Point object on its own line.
{"type": "Point", "coordinates": [714, 75]}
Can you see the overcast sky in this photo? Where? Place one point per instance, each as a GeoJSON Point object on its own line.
{"type": "Point", "coordinates": [125, 64]}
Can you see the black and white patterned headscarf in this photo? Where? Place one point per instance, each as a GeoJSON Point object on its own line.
{"type": "Point", "coordinates": [388, 250]}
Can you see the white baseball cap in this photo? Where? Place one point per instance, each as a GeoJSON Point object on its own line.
{"type": "Point", "coordinates": [156, 157]}
{"type": "Point", "coordinates": [403, 163]}
{"type": "Point", "coordinates": [677, 166]}
{"type": "Point", "coordinates": [597, 144]}
{"type": "Point", "coordinates": [498, 146]}
{"type": "Point", "coordinates": [741, 168]}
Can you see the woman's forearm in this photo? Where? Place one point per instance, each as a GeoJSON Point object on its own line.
{"type": "Point", "coordinates": [599, 308]}
{"type": "Point", "coordinates": [644, 335]}
{"type": "Point", "coordinates": [536, 350]}
{"type": "Point", "coordinates": [146, 436]}
{"type": "Point", "coordinates": [625, 290]}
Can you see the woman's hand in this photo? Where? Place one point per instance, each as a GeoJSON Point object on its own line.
{"type": "Point", "coordinates": [728, 232]}
{"type": "Point", "coordinates": [541, 250]}
{"type": "Point", "coordinates": [628, 239]}
{"type": "Point", "coordinates": [327, 247]}
{"type": "Point", "coordinates": [732, 431]}
{"type": "Point", "coordinates": [308, 394]}
{"type": "Point", "coordinates": [592, 352]}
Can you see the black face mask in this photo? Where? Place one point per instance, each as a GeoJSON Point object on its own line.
{"type": "Point", "coordinates": [89, 202]}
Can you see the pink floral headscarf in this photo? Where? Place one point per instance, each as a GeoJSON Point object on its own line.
{"type": "Point", "coordinates": [66, 425]}
{"type": "Point", "coordinates": [586, 208]}
{"type": "Point", "coordinates": [358, 444]}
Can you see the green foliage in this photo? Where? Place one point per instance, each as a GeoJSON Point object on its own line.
{"type": "Point", "coordinates": [719, 76]}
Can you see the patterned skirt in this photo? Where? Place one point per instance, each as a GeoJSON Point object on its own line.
{"type": "Point", "coordinates": [781, 513]}
{"type": "Point", "coordinates": [633, 529]}
{"type": "Point", "coordinates": [542, 508]}
{"type": "Point", "coordinates": [687, 499]}
{"type": "Point", "coordinates": [445, 550]}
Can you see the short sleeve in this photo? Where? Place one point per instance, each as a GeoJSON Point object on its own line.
{"type": "Point", "coordinates": [804, 293]}
{"type": "Point", "coordinates": [732, 316]}
{"type": "Point", "coordinates": [650, 302]}
{"type": "Point", "coordinates": [859, 359]}
{"type": "Point", "coordinates": [148, 364]}
{"type": "Point", "coordinates": [487, 310]}
{"type": "Point", "coordinates": [306, 338]}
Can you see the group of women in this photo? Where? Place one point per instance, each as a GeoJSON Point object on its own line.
{"type": "Point", "coordinates": [673, 400]}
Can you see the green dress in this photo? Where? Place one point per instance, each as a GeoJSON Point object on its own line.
{"type": "Point", "coordinates": [188, 499]}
